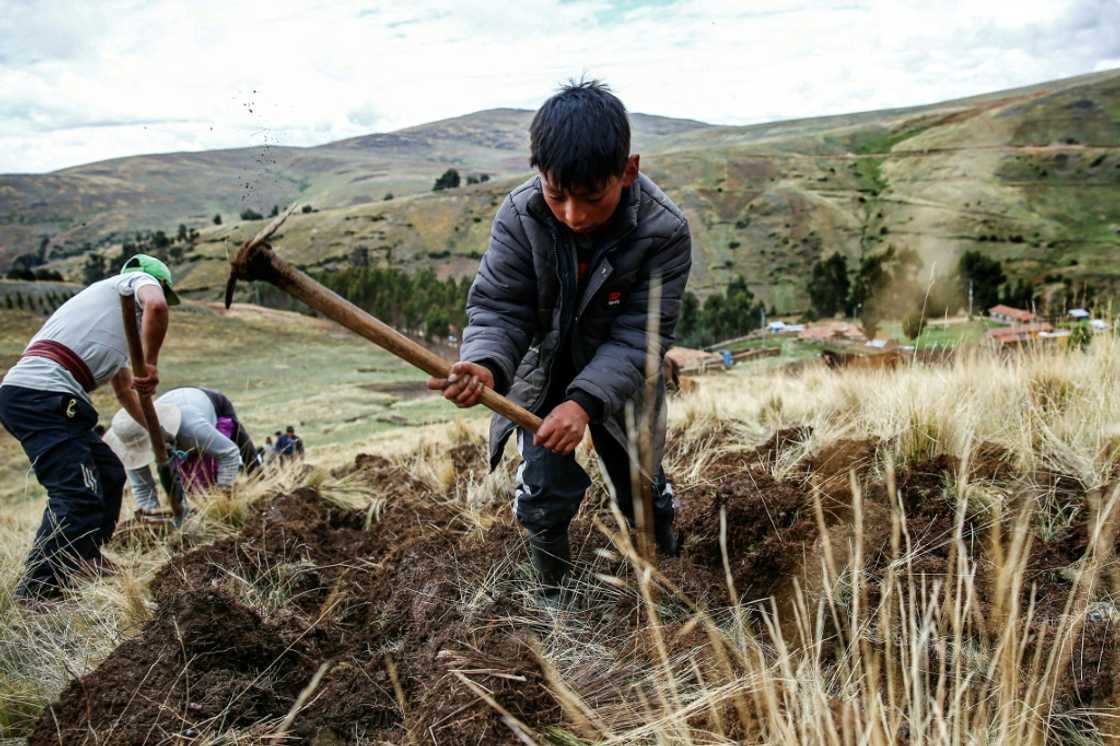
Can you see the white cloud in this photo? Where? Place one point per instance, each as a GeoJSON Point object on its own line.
{"type": "Point", "coordinates": [86, 81]}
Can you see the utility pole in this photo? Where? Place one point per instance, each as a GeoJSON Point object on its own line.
{"type": "Point", "coordinates": [970, 294]}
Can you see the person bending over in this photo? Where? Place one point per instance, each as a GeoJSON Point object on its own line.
{"type": "Point", "coordinates": [200, 424]}
{"type": "Point", "coordinates": [45, 404]}
{"type": "Point", "coordinates": [558, 316]}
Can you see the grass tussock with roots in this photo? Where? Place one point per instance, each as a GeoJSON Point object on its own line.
{"type": "Point", "coordinates": [908, 603]}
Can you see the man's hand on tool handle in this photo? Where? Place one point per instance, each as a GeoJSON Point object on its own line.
{"type": "Point", "coordinates": [561, 431]}
{"type": "Point", "coordinates": [148, 384]}
{"type": "Point", "coordinates": [465, 383]}
{"type": "Point", "coordinates": [563, 428]}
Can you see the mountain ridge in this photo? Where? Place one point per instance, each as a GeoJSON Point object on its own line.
{"type": "Point", "coordinates": [82, 207]}
{"type": "Point", "coordinates": [1030, 176]}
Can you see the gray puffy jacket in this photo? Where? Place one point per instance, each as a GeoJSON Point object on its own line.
{"type": "Point", "coordinates": [524, 299]}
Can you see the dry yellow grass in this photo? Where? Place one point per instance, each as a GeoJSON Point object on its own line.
{"type": "Point", "coordinates": [909, 663]}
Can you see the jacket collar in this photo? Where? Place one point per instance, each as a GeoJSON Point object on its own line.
{"type": "Point", "coordinates": [625, 217]}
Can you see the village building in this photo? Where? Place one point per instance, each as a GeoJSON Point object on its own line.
{"type": "Point", "coordinates": [781, 327]}
{"type": "Point", "coordinates": [1017, 335]}
{"type": "Point", "coordinates": [1007, 315]}
{"type": "Point", "coordinates": [832, 330]}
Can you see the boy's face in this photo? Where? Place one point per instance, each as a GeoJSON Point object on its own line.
{"type": "Point", "coordinates": [585, 210]}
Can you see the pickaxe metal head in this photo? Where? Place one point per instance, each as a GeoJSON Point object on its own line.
{"type": "Point", "coordinates": [254, 260]}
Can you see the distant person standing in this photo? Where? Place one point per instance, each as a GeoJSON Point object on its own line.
{"type": "Point", "coordinates": [284, 446]}
{"type": "Point", "coordinates": [289, 446]}
{"type": "Point", "coordinates": [45, 404]}
{"type": "Point", "coordinates": [296, 442]}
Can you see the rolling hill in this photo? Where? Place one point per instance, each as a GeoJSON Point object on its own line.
{"type": "Point", "coordinates": [1031, 176]}
{"type": "Point", "coordinates": [67, 212]}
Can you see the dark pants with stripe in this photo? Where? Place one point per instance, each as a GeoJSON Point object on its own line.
{"type": "Point", "coordinates": [83, 478]}
{"type": "Point", "coordinates": [550, 486]}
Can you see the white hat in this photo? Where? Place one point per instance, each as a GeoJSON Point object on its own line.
{"type": "Point", "coordinates": [129, 439]}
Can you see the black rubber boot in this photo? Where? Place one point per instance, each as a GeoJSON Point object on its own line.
{"type": "Point", "coordinates": [667, 543]}
{"type": "Point", "coordinates": [551, 559]}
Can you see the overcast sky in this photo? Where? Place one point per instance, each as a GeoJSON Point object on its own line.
{"type": "Point", "coordinates": [84, 81]}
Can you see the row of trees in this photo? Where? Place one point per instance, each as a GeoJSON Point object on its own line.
{"type": "Point", "coordinates": [43, 302]}
{"type": "Point", "coordinates": [984, 279]}
{"type": "Point", "coordinates": [419, 304]}
{"type": "Point", "coordinates": [887, 285]}
{"type": "Point", "coordinates": [425, 306]}
{"type": "Point", "coordinates": [36, 275]}
{"type": "Point", "coordinates": [883, 285]}
{"type": "Point", "coordinates": [450, 179]}
{"type": "Point", "coordinates": [733, 313]}
{"type": "Point", "coordinates": [170, 249]}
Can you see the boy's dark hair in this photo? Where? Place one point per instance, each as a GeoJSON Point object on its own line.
{"type": "Point", "coordinates": [580, 137]}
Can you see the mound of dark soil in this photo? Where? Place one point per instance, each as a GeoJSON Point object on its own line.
{"type": "Point", "coordinates": [204, 658]}
{"type": "Point", "coordinates": [408, 606]}
{"type": "Point", "coordinates": [369, 599]}
{"type": "Point", "coordinates": [767, 524]}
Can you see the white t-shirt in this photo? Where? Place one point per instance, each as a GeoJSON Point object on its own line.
{"type": "Point", "coordinates": [90, 324]}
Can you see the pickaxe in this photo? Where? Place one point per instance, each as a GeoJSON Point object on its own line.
{"type": "Point", "coordinates": [257, 261]}
{"type": "Point", "coordinates": [167, 477]}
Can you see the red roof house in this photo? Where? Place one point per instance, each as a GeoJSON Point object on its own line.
{"type": "Point", "coordinates": [1008, 315]}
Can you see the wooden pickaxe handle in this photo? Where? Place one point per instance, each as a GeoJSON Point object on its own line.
{"type": "Point", "coordinates": [151, 419]}
{"type": "Point", "coordinates": [257, 261]}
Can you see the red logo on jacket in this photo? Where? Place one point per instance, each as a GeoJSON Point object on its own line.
{"type": "Point", "coordinates": [614, 298]}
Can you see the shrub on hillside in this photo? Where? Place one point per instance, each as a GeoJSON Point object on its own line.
{"type": "Point", "coordinates": [449, 180]}
{"type": "Point", "coordinates": [913, 324]}
{"type": "Point", "coordinates": [829, 286]}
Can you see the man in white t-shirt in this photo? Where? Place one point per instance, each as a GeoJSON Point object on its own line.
{"type": "Point", "coordinates": [45, 404]}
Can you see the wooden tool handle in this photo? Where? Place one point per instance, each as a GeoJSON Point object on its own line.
{"type": "Point", "coordinates": [334, 306]}
{"type": "Point", "coordinates": [140, 370]}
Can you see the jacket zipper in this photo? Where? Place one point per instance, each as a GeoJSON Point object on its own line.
{"type": "Point", "coordinates": [560, 280]}
{"type": "Point", "coordinates": [578, 313]}
{"type": "Point", "coordinates": [601, 256]}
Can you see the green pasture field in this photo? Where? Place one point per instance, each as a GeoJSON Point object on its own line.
{"type": "Point", "coordinates": [278, 368]}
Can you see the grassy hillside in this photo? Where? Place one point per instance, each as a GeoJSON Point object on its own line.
{"type": "Point", "coordinates": [1031, 176]}
{"type": "Point", "coordinates": [88, 204]}
{"type": "Point", "coordinates": [279, 369]}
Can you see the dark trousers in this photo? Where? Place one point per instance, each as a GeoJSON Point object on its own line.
{"type": "Point", "coordinates": [83, 478]}
{"type": "Point", "coordinates": [550, 486]}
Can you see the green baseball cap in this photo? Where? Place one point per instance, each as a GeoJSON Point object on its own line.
{"type": "Point", "coordinates": [149, 265]}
